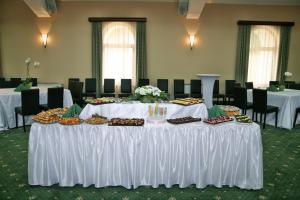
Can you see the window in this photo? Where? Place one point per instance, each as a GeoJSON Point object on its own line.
{"type": "Point", "coordinates": [263, 55]}
{"type": "Point", "coordinates": [119, 51]}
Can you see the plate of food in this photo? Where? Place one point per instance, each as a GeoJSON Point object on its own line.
{"type": "Point", "coordinates": [183, 120]}
{"type": "Point", "coordinates": [96, 120]}
{"type": "Point", "coordinates": [187, 101]}
{"type": "Point", "coordinates": [243, 119]}
{"type": "Point", "coordinates": [218, 120]}
{"type": "Point", "coordinates": [70, 121]}
{"type": "Point", "coordinates": [99, 101]}
{"type": "Point", "coordinates": [50, 116]}
{"type": "Point", "coordinates": [126, 122]}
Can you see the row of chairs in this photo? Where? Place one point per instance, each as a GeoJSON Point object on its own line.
{"type": "Point", "coordinates": [287, 84]}
{"type": "Point", "coordinates": [14, 82]}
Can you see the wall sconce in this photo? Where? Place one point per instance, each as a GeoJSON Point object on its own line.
{"type": "Point", "coordinates": [44, 39]}
{"type": "Point", "coordinates": [192, 40]}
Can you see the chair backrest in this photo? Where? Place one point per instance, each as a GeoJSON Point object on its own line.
{"type": "Point", "coordinates": [288, 84]}
{"type": "Point", "coordinates": [34, 82]}
{"type": "Point", "coordinates": [274, 83]}
{"type": "Point", "coordinates": [109, 85]}
{"type": "Point", "coordinates": [240, 97]}
{"type": "Point", "coordinates": [125, 85]}
{"type": "Point", "coordinates": [76, 89]}
{"type": "Point", "coordinates": [195, 86]}
{"type": "Point", "coordinates": [5, 84]}
{"type": "Point", "coordinates": [295, 86]}
{"type": "Point", "coordinates": [72, 80]}
{"type": "Point", "coordinates": [14, 82]}
{"type": "Point", "coordinates": [260, 100]}
{"type": "Point", "coordinates": [2, 79]}
{"type": "Point", "coordinates": [178, 86]}
{"type": "Point", "coordinates": [56, 97]}
{"type": "Point", "coordinates": [163, 85]}
{"type": "Point", "coordinates": [90, 85]}
{"type": "Point", "coordinates": [229, 86]}
{"type": "Point", "coordinates": [30, 100]}
{"type": "Point", "coordinates": [216, 87]}
{"type": "Point", "coordinates": [143, 82]}
{"type": "Point", "coordinates": [249, 85]}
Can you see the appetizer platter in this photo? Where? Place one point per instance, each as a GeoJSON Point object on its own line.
{"type": "Point", "coordinates": [243, 119]}
{"type": "Point", "coordinates": [70, 121]}
{"type": "Point", "coordinates": [96, 120]}
{"type": "Point", "coordinates": [187, 101]}
{"type": "Point", "coordinates": [126, 122]}
{"type": "Point", "coordinates": [218, 120]}
{"type": "Point", "coordinates": [99, 101]}
{"type": "Point", "coordinates": [230, 110]}
{"type": "Point", "coordinates": [183, 120]}
{"type": "Point", "coordinates": [50, 116]}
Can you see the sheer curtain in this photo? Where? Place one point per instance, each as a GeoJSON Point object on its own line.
{"type": "Point", "coordinates": [263, 55]}
{"type": "Point", "coordinates": [119, 51]}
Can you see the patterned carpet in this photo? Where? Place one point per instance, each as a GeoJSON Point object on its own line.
{"type": "Point", "coordinates": [281, 175]}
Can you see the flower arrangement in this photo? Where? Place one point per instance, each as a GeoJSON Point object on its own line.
{"type": "Point", "coordinates": [149, 94]}
{"type": "Point", "coordinates": [288, 74]}
{"type": "Point", "coordinates": [28, 61]}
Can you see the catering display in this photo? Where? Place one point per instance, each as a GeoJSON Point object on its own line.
{"type": "Point", "coordinates": [49, 116]}
{"type": "Point", "coordinates": [126, 122]}
{"type": "Point", "coordinates": [230, 110]}
{"type": "Point", "coordinates": [243, 118]}
{"type": "Point", "coordinates": [99, 101]}
{"type": "Point", "coordinates": [183, 120]}
{"type": "Point", "coordinates": [96, 120]}
{"type": "Point", "coordinates": [218, 120]}
{"type": "Point", "coordinates": [187, 101]}
{"type": "Point", "coordinates": [69, 121]}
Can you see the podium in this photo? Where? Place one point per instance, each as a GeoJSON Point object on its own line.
{"type": "Point", "coordinates": [207, 82]}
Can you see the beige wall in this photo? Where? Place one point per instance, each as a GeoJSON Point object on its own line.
{"type": "Point", "coordinates": [69, 50]}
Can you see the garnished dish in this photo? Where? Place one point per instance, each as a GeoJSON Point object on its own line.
{"type": "Point", "coordinates": [243, 118]}
{"type": "Point", "coordinates": [96, 119]}
{"type": "Point", "coordinates": [230, 110]}
{"type": "Point", "coordinates": [218, 120]}
{"type": "Point", "coordinates": [98, 101]}
{"type": "Point", "coordinates": [183, 120]}
{"type": "Point", "coordinates": [126, 122]}
{"type": "Point", "coordinates": [49, 116]}
{"type": "Point", "coordinates": [187, 101]}
{"type": "Point", "coordinates": [70, 121]}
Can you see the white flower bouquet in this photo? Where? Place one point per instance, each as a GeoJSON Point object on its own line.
{"type": "Point", "coordinates": [28, 61]}
{"type": "Point", "coordinates": [288, 74]}
{"type": "Point", "coordinates": [149, 94]}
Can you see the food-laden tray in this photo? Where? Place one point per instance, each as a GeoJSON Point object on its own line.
{"type": "Point", "coordinates": [187, 101]}
{"type": "Point", "coordinates": [50, 116]}
{"type": "Point", "coordinates": [96, 120]}
{"type": "Point", "coordinates": [243, 119]}
{"type": "Point", "coordinates": [183, 120]}
{"type": "Point", "coordinates": [218, 120]}
{"type": "Point", "coordinates": [70, 121]}
{"type": "Point", "coordinates": [230, 110]}
{"type": "Point", "coordinates": [99, 101]}
{"type": "Point", "coordinates": [126, 122]}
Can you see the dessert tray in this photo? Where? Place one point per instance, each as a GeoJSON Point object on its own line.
{"type": "Point", "coordinates": [218, 120]}
{"type": "Point", "coordinates": [50, 116]}
{"type": "Point", "coordinates": [126, 122]}
{"type": "Point", "coordinates": [99, 101]}
{"type": "Point", "coordinates": [96, 120]}
{"type": "Point", "coordinates": [183, 120]}
{"type": "Point", "coordinates": [187, 101]}
{"type": "Point", "coordinates": [243, 119]}
{"type": "Point", "coordinates": [70, 121]}
{"type": "Point", "coordinates": [230, 110]}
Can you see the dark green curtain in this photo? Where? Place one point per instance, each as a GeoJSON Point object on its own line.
{"type": "Point", "coordinates": [283, 56]}
{"type": "Point", "coordinates": [97, 55]}
{"type": "Point", "coordinates": [242, 54]}
{"type": "Point", "coordinates": [141, 50]}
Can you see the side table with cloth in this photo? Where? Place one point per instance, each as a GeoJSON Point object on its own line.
{"type": "Point", "coordinates": [196, 153]}
{"type": "Point", "coordinates": [9, 99]}
{"type": "Point", "coordinates": [140, 110]}
{"type": "Point", "coordinates": [287, 101]}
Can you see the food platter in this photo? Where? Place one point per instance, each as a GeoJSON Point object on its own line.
{"type": "Point", "coordinates": [187, 101]}
{"type": "Point", "coordinates": [183, 120]}
{"type": "Point", "coordinates": [99, 101]}
{"type": "Point", "coordinates": [96, 120]}
{"type": "Point", "coordinates": [70, 121]}
{"type": "Point", "coordinates": [126, 122]}
{"type": "Point", "coordinates": [50, 116]}
{"type": "Point", "coordinates": [230, 110]}
{"type": "Point", "coordinates": [243, 119]}
{"type": "Point", "coordinates": [218, 120]}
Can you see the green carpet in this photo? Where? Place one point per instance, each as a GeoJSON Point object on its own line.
{"type": "Point", "coordinates": [281, 175]}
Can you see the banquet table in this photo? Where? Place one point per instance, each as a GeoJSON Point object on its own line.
{"type": "Point", "coordinates": [9, 99]}
{"type": "Point", "coordinates": [287, 101]}
{"type": "Point", "coordinates": [154, 154]}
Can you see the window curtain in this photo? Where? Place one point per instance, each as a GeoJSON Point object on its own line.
{"type": "Point", "coordinates": [141, 53]}
{"type": "Point", "coordinates": [285, 32]}
{"type": "Point", "coordinates": [97, 55]}
{"type": "Point", "coordinates": [242, 54]}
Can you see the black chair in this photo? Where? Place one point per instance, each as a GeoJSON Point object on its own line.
{"type": "Point", "coordinates": [288, 84]}
{"type": "Point", "coordinates": [163, 85]}
{"type": "Point", "coordinates": [216, 93]}
{"type": "Point", "coordinates": [72, 80]}
{"type": "Point", "coordinates": [76, 92]}
{"type": "Point", "coordinates": [30, 100]}
{"type": "Point", "coordinates": [2, 79]}
{"type": "Point", "coordinates": [125, 88]}
{"type": "Point", "coordinates": [14, 82]}
{"type": "Point", "coordinates": [249, 85]}
{"type": "Point", "coordinates": [275, 83]}
{"type": "Point", "coordinates": [109, 88]}
{"type": "Point", "coordinates": [196, 88]}
{"type": "Point", "coordinates": [296, 116]}
{"type": "Point", "coordinates": [260, 105]}
{"type": "Point", "coordinates": [179, 89]}
{"type": "Point", "coordinates": [240, 99]}
{"type": "Point", "coordinates": [295, 86]}
{"type": "Point", "coordinates": [90, 87]}
{"type": "Point", "coordinates": [34, 82]}
{"type": "Point", "coordinates": [5, 84]}
{"type": "Point", "coordinates": [55, 98]}
{"type": "Point", "coordinates": [143, 82]}
{"type": "Point", "coordinates": [229, 90]}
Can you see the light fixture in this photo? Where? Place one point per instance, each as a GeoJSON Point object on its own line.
{"type": "Point", "coordinates": [44, 39]}
{"type": "Point", "coordinates": [192, 41]}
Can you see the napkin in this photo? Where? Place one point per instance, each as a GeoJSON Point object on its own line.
{"type": "Point", "coordinates": [215, 111]}
{"type": "Point", "coordinates": [73, 111]}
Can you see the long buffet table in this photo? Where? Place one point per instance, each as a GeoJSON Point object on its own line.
{"type": "Point", "coordinates": [153, 154]}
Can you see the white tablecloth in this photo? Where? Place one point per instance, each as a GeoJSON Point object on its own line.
{"type": "Point", "coordinates": [196, 153]}
{"type": "Point", "coordinates": [287, 101]}
{"type": "Point", "coordinates": [9, 99]}
{"type": "Point", "coordinates": [140, 110]}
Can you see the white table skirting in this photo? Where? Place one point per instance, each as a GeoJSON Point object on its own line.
{"type": "Point", "coordinates": [196, 153]}
{"type": "Point", "coordinates": [140, 110]}
{"type": "Point", "coordinates": [9, 99]}
{"type": "Point", "coordinates": [287, 101]}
